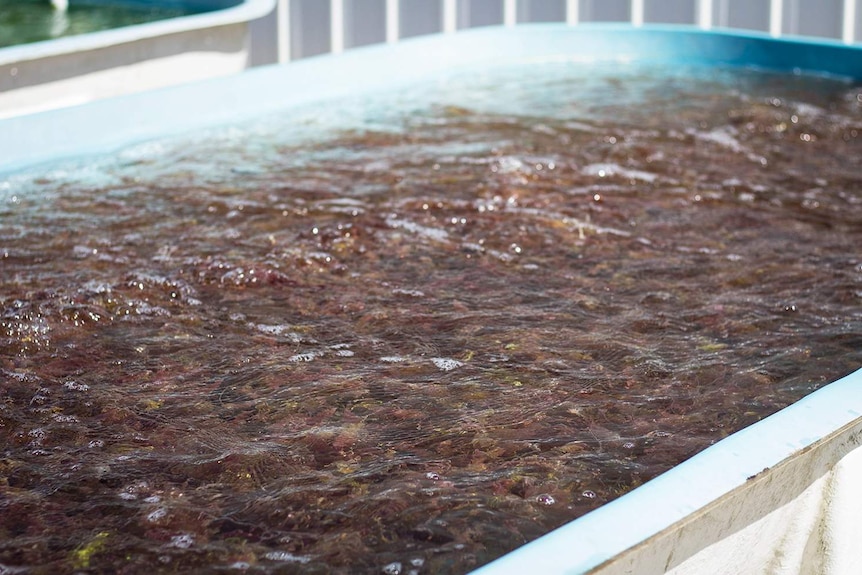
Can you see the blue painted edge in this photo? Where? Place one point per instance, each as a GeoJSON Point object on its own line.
{"type": "Point", "coordinates": [586, 543]}
{"type": "Point", "coordinates": [244, 11]}
{"type": "Point", "coordinates": [109, 124]}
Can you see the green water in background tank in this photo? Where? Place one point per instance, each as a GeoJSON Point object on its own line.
{"type": "Point", "coordinates": [27, 21]}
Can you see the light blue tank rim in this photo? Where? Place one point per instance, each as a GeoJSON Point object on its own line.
{"type": "Point", "coordinates": [586, 543]}
{"type": "Point", "coordinates": [113, 123]}
{"type": "Point", "coordinates": [222, 14]}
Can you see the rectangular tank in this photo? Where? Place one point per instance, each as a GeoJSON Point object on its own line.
{"type": "Point", "coordinates": [215, 41]}
{"type": "Point", "coordinates": [708, 512]}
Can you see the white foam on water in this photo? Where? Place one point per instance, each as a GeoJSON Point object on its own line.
{"type": "Point", "coordinates": [287, 557]}
{"type": "Point", "coordinates": [182, 541]}
{"type": "Point", "coordinates": [606, 170]}
{"type": "Point", "coordinates": [413, 227]}
{"type": "Point", "coordinates": [446, 363]}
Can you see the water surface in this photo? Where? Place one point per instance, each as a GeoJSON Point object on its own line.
{"type": "Point", "coordinates": [410, 332]}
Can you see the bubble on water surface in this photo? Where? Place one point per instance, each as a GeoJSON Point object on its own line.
{"type": "Point", "coordinates": [271, 329]}
{"type": "Point", "coordinates": [545, 499]}
{"type": "Point", "coordinates": [157, 515]}
{"type": "Point", "coordinates": [38, 435]}
{"type": "Point", "coordinates": [502, 256]}
{"type": "Point", "coordinates": [246, 170]}
{"type": "Point", "coordinates": [284, 331]}
{"type": "Point", "coordinates": [81, 252]}
{"type": "Point", "coordinates": [606, 170]}
{"type": "Point", "coordinates": [393, 568]}
{"type": "Point", "coordinates": [61, 418]}
{"type": "Point", "coordinates": [589, 494]}
{"type": "Point", "coordinates": [304, 357]}
{"type": "Point", "coordinates": [143, 308]}
{"type": "Point", "coordinates": [75, 386]}
{"type": "Point", "coordinates": [182, 541]}
{"type": "Point", "coordinates": [393, 359]}
{"type": "Point", "coordinates": [319, 257]}
{"type": "Point", "coordinates": [446, 363]}
{"type": "Point", "coordinates": [409, 292]}
{"type": "Point", "coordinates": [432, 476]}
{"type": "Point", "coordinates": [286, 557]}
{"type": "Point", "coordinates": [508, 164]}
{"type": "Point", "coordinates": [413, 227]}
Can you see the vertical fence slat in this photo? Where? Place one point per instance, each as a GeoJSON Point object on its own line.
{"type": "Point", "coordinates": [282, 34]}
{"type": "Point", "coordinates": [450, 16]}
{"type": "Point", "coordinates": [776, 17]}
{"type": "Point", "coordinates": [704, 14]}
{"type": "Point", "coordinates": [510, 12]}
{"type": "Point", "coordinates": [336, 26]}
{"type": "Point", "coordinates": [573, 13]}
{"type": "Point", "coordinates": [392, 26]}
{"type": "Point", "coordinates": [637, 12]}
{"type": "Point", "coordinates": [848, 27]}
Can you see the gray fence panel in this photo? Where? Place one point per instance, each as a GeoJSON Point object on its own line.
{"type": "Point", "coordinates": [813, 17]}
{"type": "Point", "coordinates": [418, 17]}
{"type": "Point", "coordinates": [474, 13]}
{"type": "Point", "coordinates": [605, 10]}
{"type": "Point", "coordinates": [542, 11]}
{"type": "Point", "coordinates": [670, 11]}
{"type": "Point", "coordinates": [748, 14]}
{"type": "Point", "coordinates": [309, 28]}
{"type": "Point", "coordinates": [365, 22]}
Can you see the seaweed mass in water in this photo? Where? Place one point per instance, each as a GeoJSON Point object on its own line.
{"type": "Point", "coordinates": [410, 332]}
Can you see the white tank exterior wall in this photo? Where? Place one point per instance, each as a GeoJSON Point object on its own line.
{"type": "Point", "coordinates": [801, 517]}
{"type": "Point", "coordinates": [817, 533]}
